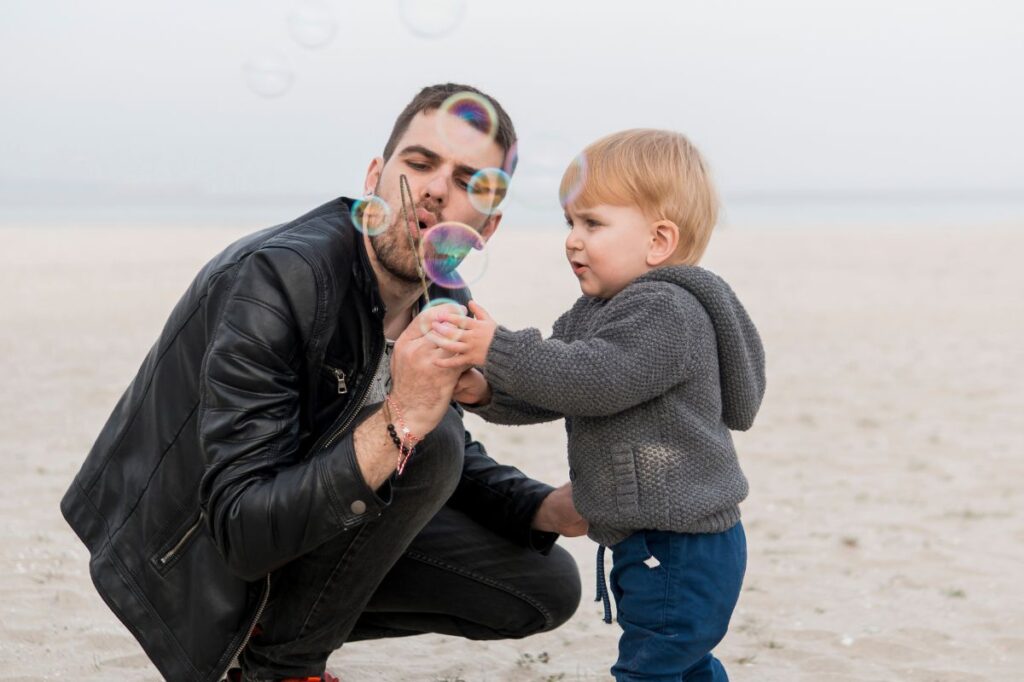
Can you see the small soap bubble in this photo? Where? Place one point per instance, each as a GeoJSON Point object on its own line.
{"type": "Point", "coordinates": [575, 178]}
{"type": "Point", "coordinates": [434, 302]}
{"type": "Point", "coordinates": [312, 24]}
{"type": "Point", "coordinates": [371, 215]}
{"type": "Point", "coordinates": [542, 163]}
{"type": "Point", "coordinates": [487, 189]}
{"type": "Point", "coordinates": [453, 255]}
{"type": "Point", "coordinates": [268, 74]}
{"type": "Point", "coordinates": [467, 122]}
{"type": "Point", "coordinates": [511, 159]}
{"type": "Point", "coordinates": [432, 18]}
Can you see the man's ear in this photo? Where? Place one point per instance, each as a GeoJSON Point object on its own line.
{"type": "Point", "coordinates": [664, 240]}
{"type": "Point", "coordinates": [490, 226]}
{"type": "Point", "coordinates": [373, 175]}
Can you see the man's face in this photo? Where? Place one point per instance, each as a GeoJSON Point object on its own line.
{"type": "Point", "coordinates": [438, 178]}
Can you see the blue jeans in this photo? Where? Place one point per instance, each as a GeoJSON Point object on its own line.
{"type": "Point", "coordinates": [674, 613]}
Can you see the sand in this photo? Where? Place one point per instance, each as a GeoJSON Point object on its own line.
{"type": "Point", "coordinates": [885, 518]}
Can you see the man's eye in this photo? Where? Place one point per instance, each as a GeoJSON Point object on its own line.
{"type": "Point", "coordinates": [416, 165]}
{"type": "Point", "coordinates": [464, 184]}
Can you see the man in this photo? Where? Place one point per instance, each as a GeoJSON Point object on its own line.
{"type": "Point", "coordinates": [242, 501]}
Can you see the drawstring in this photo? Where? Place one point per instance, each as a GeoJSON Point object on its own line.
{"type": "Point", "coordinates": [602, 587]}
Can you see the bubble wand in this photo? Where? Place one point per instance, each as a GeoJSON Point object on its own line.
{"type": "Point", "coordinates": [403, 188]}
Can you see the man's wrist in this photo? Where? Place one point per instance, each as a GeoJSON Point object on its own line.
{"type": "Point", "coordinates": [413, 420]}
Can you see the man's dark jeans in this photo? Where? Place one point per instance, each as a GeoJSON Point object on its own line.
{"type": "Point", "coordinates": [420, 567]}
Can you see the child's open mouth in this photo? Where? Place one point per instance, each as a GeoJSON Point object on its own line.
{"type": "Point", "coordinates": [578, 268]}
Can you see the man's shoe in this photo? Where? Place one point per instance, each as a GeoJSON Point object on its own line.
{"type": "Point", "coordinates": [235, 675]}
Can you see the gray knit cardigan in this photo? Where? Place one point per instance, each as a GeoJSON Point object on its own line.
{"type": "Point", "coordinates": [649, 382]}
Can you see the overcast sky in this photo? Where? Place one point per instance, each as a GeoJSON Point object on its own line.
{"type": "Point", "coordinates": [117, 97]}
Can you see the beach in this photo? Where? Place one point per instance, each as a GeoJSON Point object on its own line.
{"type": "Point", "coordinates": [885, 520]}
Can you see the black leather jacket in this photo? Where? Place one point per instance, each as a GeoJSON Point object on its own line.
{"type": "Point", "coordinates": [230, 453]}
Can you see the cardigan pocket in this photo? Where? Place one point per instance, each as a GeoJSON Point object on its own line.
{"type": "Point", "coordinates": [627, 493]}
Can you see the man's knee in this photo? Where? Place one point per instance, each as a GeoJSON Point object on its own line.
{"type": "Point", "coordinates": [551, 603]}
{"type": "Point", "coordinates": [438, 458]}
{"type": "Point", "coordinates": [563, 590]}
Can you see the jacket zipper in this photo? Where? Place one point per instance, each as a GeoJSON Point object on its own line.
{"type": "Point", "coordinates": [352, 415]}
{"type": "Point", "coordinates": [248, 631]}
{"type": "Point", "coordinates": [340, 376]}
{"type": "Point", "coordinates": [326, 444]}
{"type": "Point", "coordinates": [173, 551]}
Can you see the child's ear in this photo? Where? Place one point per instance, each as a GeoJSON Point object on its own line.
{"type": "Point", "coordinates": [664, 240]}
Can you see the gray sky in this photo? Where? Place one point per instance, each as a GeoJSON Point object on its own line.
{"type": "Point", "coordinates": [118, 98]}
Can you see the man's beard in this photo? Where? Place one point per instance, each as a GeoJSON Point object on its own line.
{"type": "Point", "coordinates": [392, 257]}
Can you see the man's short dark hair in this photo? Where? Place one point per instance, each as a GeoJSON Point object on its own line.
{"type": "Point", "coordinates": [432, 97]}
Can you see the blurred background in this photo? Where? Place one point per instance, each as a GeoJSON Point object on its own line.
{"type": "Point", "coordinates": [809, 112]}
{"type": "Point", "coordinates": [870, 158]}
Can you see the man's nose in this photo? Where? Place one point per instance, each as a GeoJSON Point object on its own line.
{"type": "Point", "coordinates": [437, 187]}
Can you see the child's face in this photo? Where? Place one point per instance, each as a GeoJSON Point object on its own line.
{"type": "Point", "coordinates": [607, 247]}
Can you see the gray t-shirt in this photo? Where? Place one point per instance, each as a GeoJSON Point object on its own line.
{"type": "Point", "coordinates": [381, 384]}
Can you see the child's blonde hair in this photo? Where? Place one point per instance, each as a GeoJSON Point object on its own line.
{"type": "Point", "coordinates": [660, 172]}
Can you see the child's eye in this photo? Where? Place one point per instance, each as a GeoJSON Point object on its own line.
{"type": "Point", "coordinates": [592, 223]}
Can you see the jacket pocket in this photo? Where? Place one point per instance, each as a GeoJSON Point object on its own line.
{"type": "Point", "coordinates": [337, 379]}
{"type": "Point", "coordinates": [171, 551]}
{"type": "Point", "coordinates": [627, 491]}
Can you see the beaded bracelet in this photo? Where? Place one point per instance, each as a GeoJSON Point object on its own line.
{"type": "Point", "coordinates": [405, 450]}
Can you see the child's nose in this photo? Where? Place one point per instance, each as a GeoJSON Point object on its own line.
{"type": "Point", "coordinates": [573, 242]}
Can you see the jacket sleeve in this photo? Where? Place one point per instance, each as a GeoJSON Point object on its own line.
{"type": "Point", "coordinates": [641, 350]}
{"type": "Point", "coordinates": [502, 498]}
{"type": "Point", "coordinates": [263, 505]}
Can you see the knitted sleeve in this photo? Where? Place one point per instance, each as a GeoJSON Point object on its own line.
{"type": "Point", "coordinates": [640, 349]}
{"type": "Point", "coordinates": [504, 409]}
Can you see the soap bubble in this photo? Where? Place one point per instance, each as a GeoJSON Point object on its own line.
{"type": "Point", "coordinates": [576, 176]}
{"type": "Point", "coordinates": [432, 18]}
{"type": "Point", "coordinates": [371, 215]}
{"type": "Point", "coordinates": [268, 74]}
{"type": "Point", "coordinates": [312, 24]}
{"type": "Point", "coordinates": [511, 159]}
{"type": "Point", "coordinates": [487, 189]}
{"type": "Point", "coordinates": [453, 255]}
{"type": "Point", "coordinates": [434, 302]}
{"type": "Point", "coordinates": [467, 122]}
{"type": "Point", "coordinates": [538, 176]}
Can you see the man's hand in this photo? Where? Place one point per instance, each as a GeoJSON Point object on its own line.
{"type": "Point", "coordinates": [468, 338]}
{"type": "Point", "coordinates": [421, 387]}
{"type": "Point", "coordinates": [422, 391]}
{"type": "Point", "coordinates": [557, 514]}
{"type": "Point", "coordinates": [472, 388]}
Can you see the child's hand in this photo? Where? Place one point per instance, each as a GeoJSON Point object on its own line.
{"type": "Point", "coordinates": [468, 338]}
{"type": "Point", "coordinates": [472, 388]}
